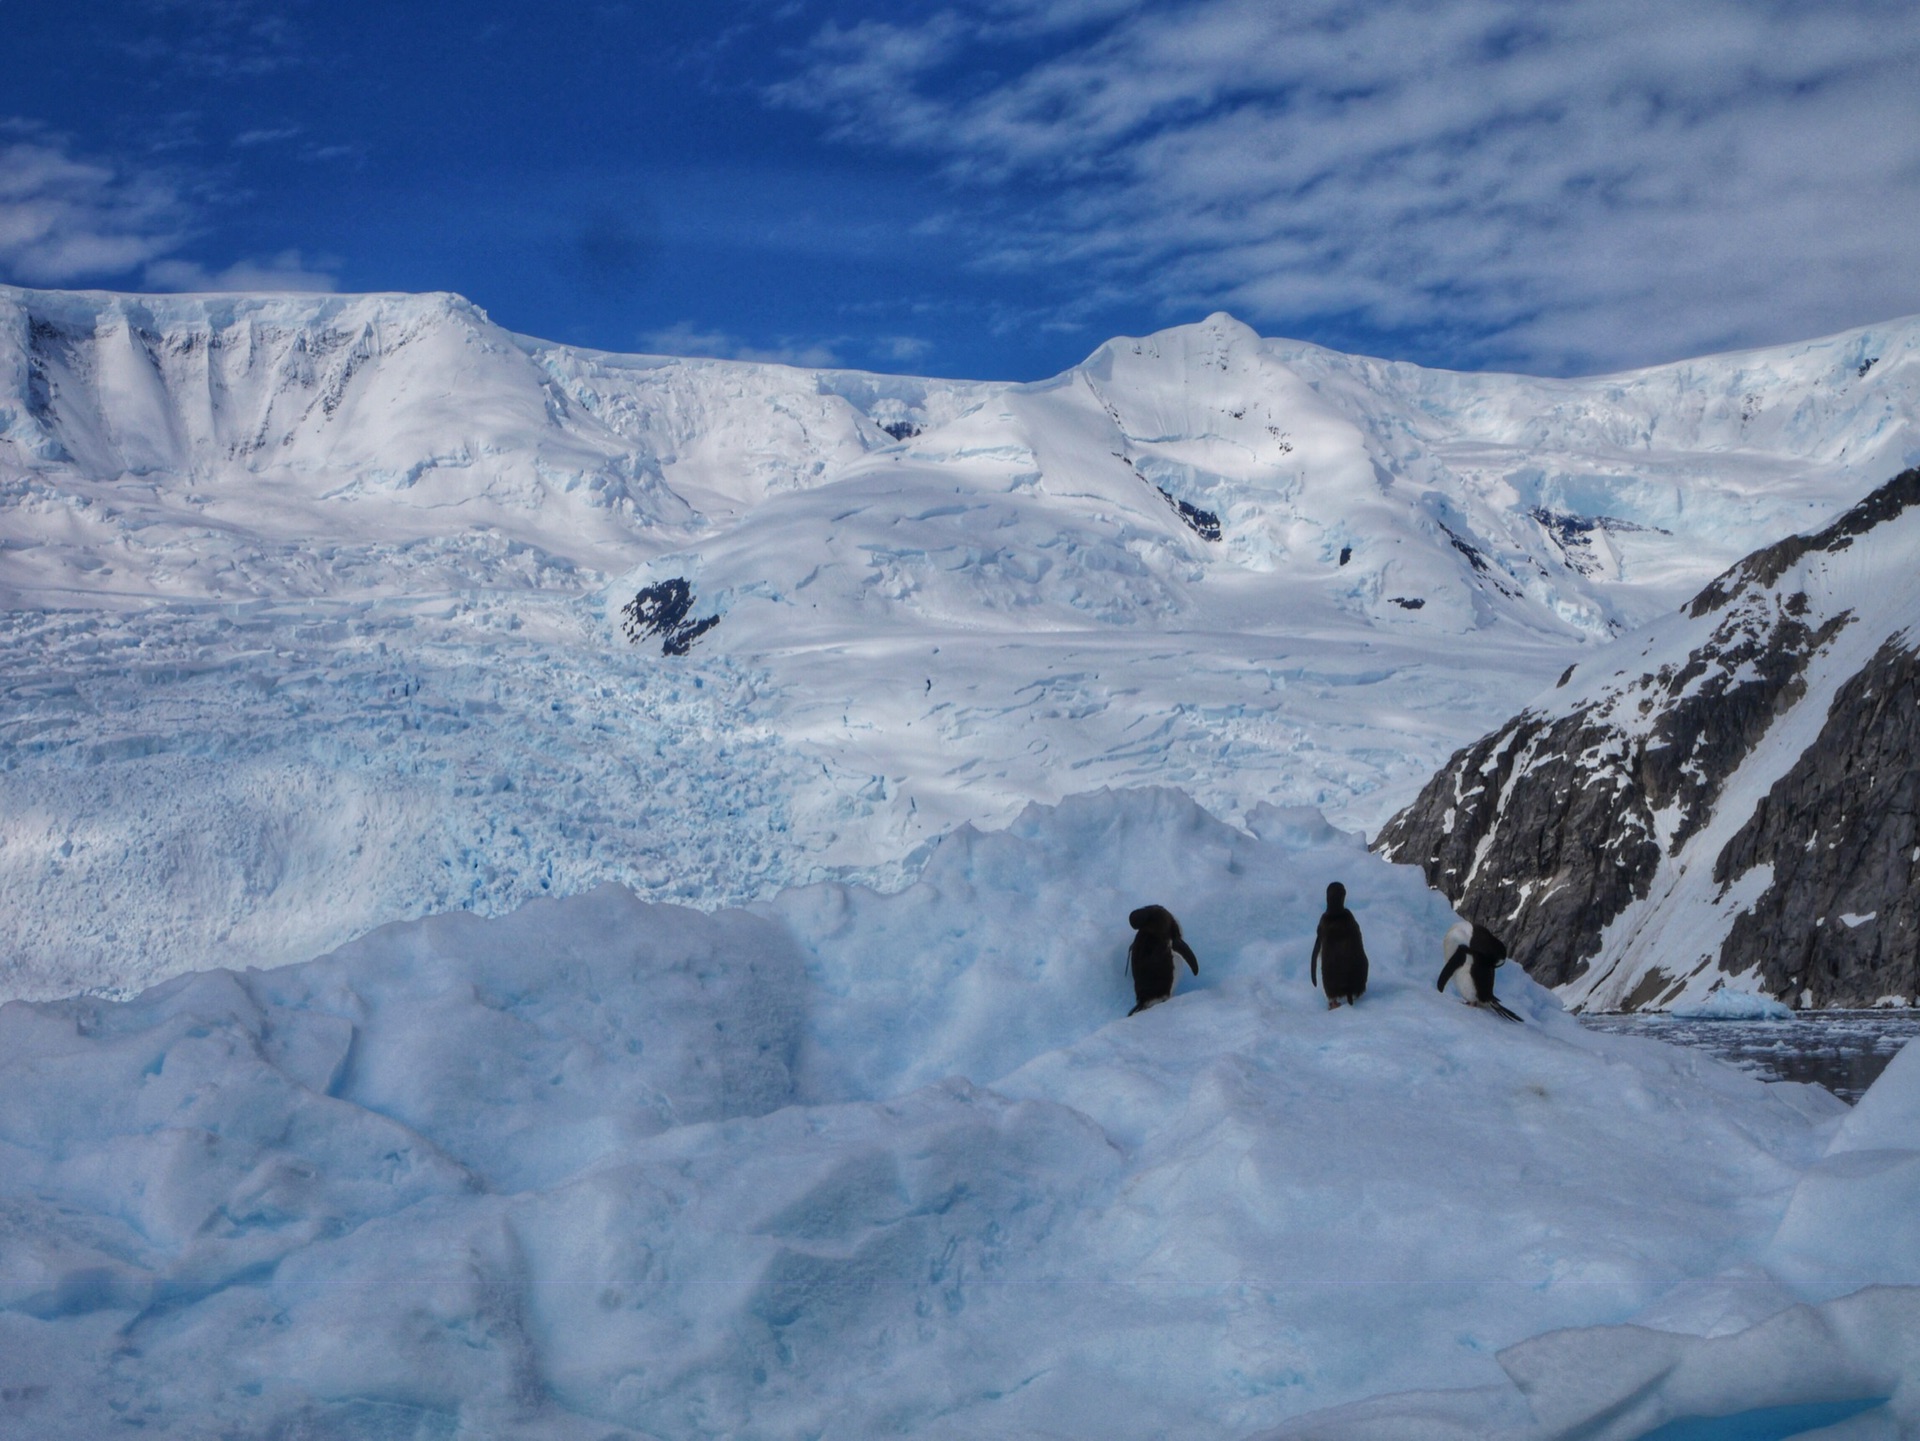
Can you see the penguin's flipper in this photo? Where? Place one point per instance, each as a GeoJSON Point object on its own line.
{"type": "Point", "coordinates": [1500, 1010]}
{"type": "Point", "coordinates": [1454, 962]}
{"type": "Point", "coordinates": [1187, 951]}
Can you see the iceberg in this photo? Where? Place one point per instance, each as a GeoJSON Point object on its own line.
{"type": "Point", "coordinates": [846, 1163]}
{"type": "Point", "coordinates": [1726, 1004]}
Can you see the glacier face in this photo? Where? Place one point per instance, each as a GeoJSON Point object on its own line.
{"type": "Point", "coordinates": [313, 603]}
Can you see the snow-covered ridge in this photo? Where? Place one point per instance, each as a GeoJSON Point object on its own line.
{"type": "Point", "coordinates": [856, 1164]}
{"type": "Point", "coordinates": [1726, 798]}
{"type": "Point", "coordinates": [376, 411]}
{"type": "Point", "coordinates": [316, 601]}
{"type": "Point", "coordinates": [366, 420]}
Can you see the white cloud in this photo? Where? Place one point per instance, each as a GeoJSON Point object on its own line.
{"type": "Point", "coordinates": [67, 219]}
{"type": "Point", "coordinates": [284, 272]}
{"type": "Point", "coordinates": [902, 349]}
{"type": "Point", "coordinates": [686, 338]}
{"type": "Point", "coordinates": [64, 218]}
{"type": "Point", "coordinates": [246, 139]}
{"type": "Point", "coordinates": [1591, 183]}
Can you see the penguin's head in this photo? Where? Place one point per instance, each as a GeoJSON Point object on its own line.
{"type": "Point", "coordinates": [1336, 896]}
{"type": "Point", "coordinates": [1154, 920]}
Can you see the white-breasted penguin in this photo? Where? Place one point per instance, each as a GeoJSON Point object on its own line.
{"type": "Point", "coordinates": [1473, 954]}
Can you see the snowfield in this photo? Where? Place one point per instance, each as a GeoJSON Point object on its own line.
{"type": "Point", "coordinates": [848, 1164]}
{"type": "Point", "coordinates": [313, 604]}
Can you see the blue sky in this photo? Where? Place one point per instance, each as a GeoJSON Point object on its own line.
{"type": "Point", "coordinates": [991, 187]}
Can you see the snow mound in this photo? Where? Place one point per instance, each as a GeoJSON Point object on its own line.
{"type": "Point", "coordinates": [1726, 1004]}
{"type": "Point", "coordinates": [851, 1164]}
{"type": "Point", "coordinates": [1855, 1216]}
{"type": "Point", "coordinates": [1855, 1359]}
{"type": "Point", "coordinates": [1821, 1330]}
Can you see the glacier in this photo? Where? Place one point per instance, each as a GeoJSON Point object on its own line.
{"type": "Point", "coordinates": [312, 604]}
{"type": "Point", "coordinates": [845, 1163]}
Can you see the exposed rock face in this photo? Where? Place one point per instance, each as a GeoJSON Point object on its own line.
{"type": "Point", "coordinates": [1648, 835]}
{"type": "Point", "coordinates": [1840, 924]}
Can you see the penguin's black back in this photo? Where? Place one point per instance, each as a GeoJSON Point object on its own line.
{"type": "Point", "coordinates": [1150, 957]}
{"type": "Point", "coordinates": [1343, 956]}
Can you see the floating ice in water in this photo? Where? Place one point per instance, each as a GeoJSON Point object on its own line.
{"type": "Point", "coordinates": [1727, 1004]}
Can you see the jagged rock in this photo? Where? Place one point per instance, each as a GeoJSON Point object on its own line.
{"type": "Point", "coordinates": [661, 610]}
{"type": "Point", "coordinates": [1764, 567]}
{"type": "Point", "coordinates": [1624, 794]}
{"type": "Point", "coordinates": [1840, 923]}
{"type": "Point", "coordinates": [1203, 523]}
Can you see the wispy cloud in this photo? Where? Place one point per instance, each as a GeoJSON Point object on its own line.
{"type": "Point", "coordinates": [64, 217]}
{"type": "Point", "coordinates": [1586, 184]}
{"type": "Point", "coordinates": [271, 135]}
{"type": "Point", "coordinates": [686, 338]}
{"type": "Point", "coordinates": [67, 218]}
{"type": "Point", "coordinates": [217, 39]}
{"type": "Point", "coordinates": [287, 271]}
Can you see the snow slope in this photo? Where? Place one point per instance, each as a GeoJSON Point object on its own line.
{"type": "Point", "coordinates": [1725, 798]}
{"type": "Point", "coordinates": [847, 1164]}
{"type": "Point", "coordinates": [313, 603]}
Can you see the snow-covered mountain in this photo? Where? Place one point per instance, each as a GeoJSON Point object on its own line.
{"type": "Point", "coordinates": [315, 603]}
{"type": "Point", "coordinates": [371, 419]}
{"type": "Point", "coordinates": [1727, 798]}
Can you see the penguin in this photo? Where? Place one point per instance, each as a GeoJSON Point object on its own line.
{"type": "Point", "coordinates": [1473, 953]}
{"type": "Point", "coordinates": [1150, 957]}
{"type": "Point", "coordinates": [1337, 943]}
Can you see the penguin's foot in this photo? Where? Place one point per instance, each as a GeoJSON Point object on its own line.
{"type": "Point", "coordinates": [1333, 1005]}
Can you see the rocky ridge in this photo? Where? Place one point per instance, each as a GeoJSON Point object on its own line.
{"type": "Point", "coordinates": [1740, 811]}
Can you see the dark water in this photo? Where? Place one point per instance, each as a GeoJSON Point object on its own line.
{"type": "Point", "coordinates": [1774, 1423]}
{"type": "Point", "coordinates": [1841, 1050]}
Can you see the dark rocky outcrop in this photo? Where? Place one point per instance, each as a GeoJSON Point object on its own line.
{"type": "Point", "coordinates": [1530, 842]}
{"type": "Point", "coordinates": [1840, 923]}
{"type": "Point", "coordinates": [661, 609]}
{"type": "Point", "coordinates": [1549, 828]}
{"type": "Point", "coordinates": [1764, 567]}
{"type": "Point", "coordinates": [1572, 535]}
{"type": "Point", "coordinates": [1203, 523]}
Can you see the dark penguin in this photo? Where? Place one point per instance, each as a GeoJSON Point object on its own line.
{"type": "Point", "coordinates": [1150, 957]}
{"type": "Point", "coordinates": [1473, 952]}
{"type": "Point", "coordinates": [1339, 956]}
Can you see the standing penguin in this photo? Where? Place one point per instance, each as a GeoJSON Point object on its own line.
{"type": "Point", "coordinates": [1473, 952]}
{"type": "Point", "coordinates": [1150, 957]}
{"type": "Point", "coordinates": [1338, 953]}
